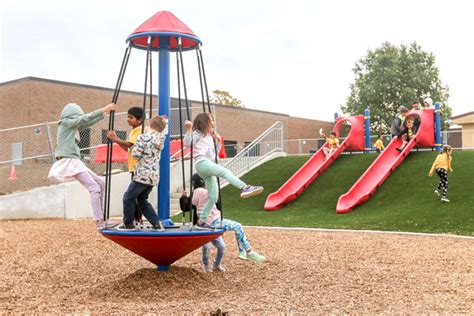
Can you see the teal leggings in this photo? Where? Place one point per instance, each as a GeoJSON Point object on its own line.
{"type": "Point", "coordinates": [209, 171]}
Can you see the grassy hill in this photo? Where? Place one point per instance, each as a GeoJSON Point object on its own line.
{"type": "Point", "coordinates": [405, 202]}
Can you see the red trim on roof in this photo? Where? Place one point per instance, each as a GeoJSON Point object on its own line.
{"type": "Point", "coordinates": [164, 21]}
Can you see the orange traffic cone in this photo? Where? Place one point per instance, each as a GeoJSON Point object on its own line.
{"type": "Point", "coordinates": [13, 174]}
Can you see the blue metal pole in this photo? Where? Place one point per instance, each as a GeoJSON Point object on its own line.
{"type": "Point", "coordinates": [336, 115]}
{"type": "Point", "coordinates": [368, 148]}
{"type": "Point", "coordinates": [437, 126]}
{"type": "Point", "coordinates": [164, 109]}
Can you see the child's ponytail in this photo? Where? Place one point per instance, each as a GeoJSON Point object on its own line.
{"type": "Point", "coordinates": [446, 149]}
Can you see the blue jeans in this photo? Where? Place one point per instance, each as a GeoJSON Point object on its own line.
{"type": "Point", "coordinates": [206, 249]}
{"type": "Point", "coordinates": [209, 171]}
{"type": "Point", "coordinates": [227, 224]}
{"type": "Point", "coordinates": [138, 192]}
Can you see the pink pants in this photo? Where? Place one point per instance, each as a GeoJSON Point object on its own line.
{"type": "Point", "coordinates": [96, 186]}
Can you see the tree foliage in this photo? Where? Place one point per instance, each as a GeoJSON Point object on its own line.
{"type": "Point", "coordinates": [391, 76]}
{"type": "Point", "coordinates": [224, 98]}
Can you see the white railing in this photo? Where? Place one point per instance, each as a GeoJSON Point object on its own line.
{"type": "Point", "coordinates": [269, 142]}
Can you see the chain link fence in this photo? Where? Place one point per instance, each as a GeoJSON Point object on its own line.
{"type": "Point", "coordinates": [28, 151]}
{"type": "Point", "coordinates": [456, 138]}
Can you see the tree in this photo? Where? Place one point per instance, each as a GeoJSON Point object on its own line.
{"type": "Point", "coordinates": [224, 98]}
{"type": "Point", "coordinates": [391, 76]}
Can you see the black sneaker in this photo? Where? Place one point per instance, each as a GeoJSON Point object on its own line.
{"type": "Point", "coordinates": [399, 149]}
{"type": "Point", "coordinates": [127, 227]}
{"type": "Point", "coordinates": [158, 226]}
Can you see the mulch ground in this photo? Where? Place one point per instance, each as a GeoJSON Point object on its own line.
{"type": "Point", "coordinates": [65, 266]}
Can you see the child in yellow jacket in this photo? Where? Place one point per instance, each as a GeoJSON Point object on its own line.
{"type": "Point", "coordinates": [379, 144]}
{"type": "Point", "coordinates": [442, 165]}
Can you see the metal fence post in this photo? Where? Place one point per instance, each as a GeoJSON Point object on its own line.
{"type": "Point", "coordinates": [50, 143]}
{"type": "Point", "coordinates": [438, 126]}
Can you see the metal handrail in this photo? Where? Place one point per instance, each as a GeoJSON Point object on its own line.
{"type": "Point", "coordinates": [251, 155]}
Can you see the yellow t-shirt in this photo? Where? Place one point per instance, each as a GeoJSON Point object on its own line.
{"type": "Point", "coordinates": [333, 142]}
{"type": "Point", "coordinates": [379, 144]}
{"type": "Point", "coordinates": [132, 138]}
{"type": "Point", "coordinates": [442, 161]}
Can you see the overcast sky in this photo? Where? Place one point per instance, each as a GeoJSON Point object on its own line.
{"type": "Point", "coordinates": [292, 57]}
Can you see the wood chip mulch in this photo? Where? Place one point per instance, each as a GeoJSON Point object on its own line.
{"type": "Point", "coordinates": [65, 266]}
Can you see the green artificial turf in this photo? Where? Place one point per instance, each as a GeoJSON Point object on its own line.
{"type": "Point", "coordinates": [404, 202]}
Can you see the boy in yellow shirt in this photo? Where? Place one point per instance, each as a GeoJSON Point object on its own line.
{"type": "Point", "coordinates": [379, 144]}
{"type": "Point", "coordinates": [442, 165]}
{"type": "Point", "coordinates": [134, 119]}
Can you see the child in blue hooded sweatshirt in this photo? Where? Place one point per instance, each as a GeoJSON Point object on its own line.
{"type": "Point", "coordinates": [69, 166]}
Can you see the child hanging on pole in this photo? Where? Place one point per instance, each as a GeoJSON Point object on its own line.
{"type": "Point", "coordinates": [69, 166]}
{"type": "Point", "coordinates": [147, 150]}
{"type": "Point", "coordinates": [135, 116]}
{"type": "Point", "coordinates": [202, 136]}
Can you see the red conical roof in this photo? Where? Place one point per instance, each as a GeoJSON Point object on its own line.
{"type": "Point", "coordinates": [164, 23]}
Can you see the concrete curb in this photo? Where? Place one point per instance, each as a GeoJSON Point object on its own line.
{"type": "Point", "coordinates": [327, 230]}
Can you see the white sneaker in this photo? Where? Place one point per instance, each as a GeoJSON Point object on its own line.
{"type": "Point", "coordinates": [101, 224]}
{"type": "Point", "coordinates": [242, 255]}
{"type": "Point", "coordinates": [250, 190]}
{"type": "Point", "coordinates": [206, 268]}
{"type": "Point", "coordinates": [436, 192]}
{"type": "Point", "coordinates": [219, 268]}
{"type": "Point", "coordinates": [444, 199]}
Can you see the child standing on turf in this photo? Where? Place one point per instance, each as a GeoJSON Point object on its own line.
{"type": "Point", "coordinates": [333, 143]}
{"type": "Point", "coordinates": [147, 150]}
{"type": "Point", "coordinates": [379, 144]}
{"type": "Point", "coordinates": [202, 136]}
{"type": "Point", "coordinates": [69, 166]}
{"type": "Point", "coordinates": [213, 220]}
{"type": "Point", "coordinates": [134, 119]}
{"type": "Point", "coordinates": [442, 165]}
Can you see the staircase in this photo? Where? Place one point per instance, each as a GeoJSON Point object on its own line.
{"type": "Point", "coordinates": [267, 146]}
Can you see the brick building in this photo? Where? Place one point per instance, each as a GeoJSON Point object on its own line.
{"type": "Point", "coordinates": [33, 100]}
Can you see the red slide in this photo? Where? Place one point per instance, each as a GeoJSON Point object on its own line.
{"type": "Point", "coordinates": [290, 190]}
{"type": "Point", "coordinates": [386, 162]}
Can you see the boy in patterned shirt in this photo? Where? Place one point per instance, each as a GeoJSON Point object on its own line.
{"type": "Point", "coordinates": [147, 149]}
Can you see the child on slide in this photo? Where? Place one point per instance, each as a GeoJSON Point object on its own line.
{"type": "Point", "coordinates": [332, 141]}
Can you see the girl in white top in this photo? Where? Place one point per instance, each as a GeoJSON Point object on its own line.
{"type": "Point", "coordinates": [201, 135]}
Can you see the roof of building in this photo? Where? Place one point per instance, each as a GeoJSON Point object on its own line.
{"type": "Point", "coordinates": [465, 118]}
